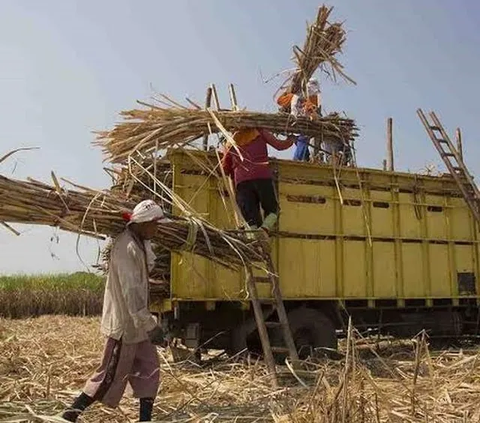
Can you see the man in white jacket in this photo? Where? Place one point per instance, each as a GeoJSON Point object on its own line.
{"type": "Point", "coordinates": [129, 355]}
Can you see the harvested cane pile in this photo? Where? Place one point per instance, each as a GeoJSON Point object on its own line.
{"type": "Point", "coordinates": [324, 41]}
{"type": "Point", "coordinates": [95, 213]}
{"type": "Point", "coordinates": [45, 361]}
{"type": "Point", "coordinates": [149, 130]}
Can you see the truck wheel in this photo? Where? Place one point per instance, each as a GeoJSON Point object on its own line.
{"type": "Point", "coordinates": [310, 329]}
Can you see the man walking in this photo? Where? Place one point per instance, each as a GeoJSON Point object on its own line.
{"type": "Point", "coordinates": [129, 355]}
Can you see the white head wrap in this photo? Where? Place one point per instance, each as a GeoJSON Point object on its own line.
{"type": "Point", "coordinates": [147, 211]}
{"type": "Point", "coordinates": [312, 86]}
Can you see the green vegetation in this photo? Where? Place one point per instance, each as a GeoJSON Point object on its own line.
{"type": "Point", "coordinates": [77, 294]}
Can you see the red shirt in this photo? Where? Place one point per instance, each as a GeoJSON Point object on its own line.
{"type": "Point", "coordinates": [255, 163]}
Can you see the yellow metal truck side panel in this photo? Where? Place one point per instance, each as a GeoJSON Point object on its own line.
{"type": "Point", "coordinates": [439, 270]}
{"type": "Point", "coordinates": [194, 277]}
{"type": "Point", "coordinates": [435, 216]}
{"type": "Point", "coordinates": [413, 279]}
{"type": "Point", "coordinates": [353, 213]}
{"type": "Point", "coordinates": [297, 215]}
{"type": "Point", "coordinates": [416, 244]}
{"type": "Point", "coordinates": [227, 283]}
{"type": "Point", "coordinates": [460, 220]}
{"type": "Point", "coordinates": [410, 213]}
{"type": "Point", "coordinates": [464, 255]}
{"type": "Point", "coordinates": [318, 278]}
{"type": "Point", "coordinates": [190, 276]}
{"type": "Point", "coordinates": [381, 214]}
{"type": "Point", "coordinates": [355, 271]}
{"type": "Point", "coordinates": [384, 270]}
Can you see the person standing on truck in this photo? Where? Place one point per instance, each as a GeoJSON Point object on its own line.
{"type": "Point", "coordinates": [297, 104]}
{"type": "Point", "coordinates": [246, 162]}
{"type": "Point", "coordinates": [302, 153]}
{"type": "Point", "coordinates": [131, 330]}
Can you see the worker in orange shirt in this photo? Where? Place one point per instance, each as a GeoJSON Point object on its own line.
{"type": "Point", "coordinates": [298, 105]}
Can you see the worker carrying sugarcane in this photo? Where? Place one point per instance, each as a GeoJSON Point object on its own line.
{"type": "Point", "coordinates": [246, 162]}
{"type": "Point", "coordinates": [297, 104]}
{"type": "Point", "coordinates": [131, 330]}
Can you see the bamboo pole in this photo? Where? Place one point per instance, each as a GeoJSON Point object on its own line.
{"type": "Point", "coordinates": [208, 103]}
{"type": "Point", "coordinates": [390, 163]}
{"type": "Point", "coordinates": [458, 136]}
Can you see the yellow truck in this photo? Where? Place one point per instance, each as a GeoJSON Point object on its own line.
{"type": "Point", "coordinates": [395, 251]}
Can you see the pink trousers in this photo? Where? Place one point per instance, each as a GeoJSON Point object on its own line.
{"type": "Point", "coordinates": [136, 364]}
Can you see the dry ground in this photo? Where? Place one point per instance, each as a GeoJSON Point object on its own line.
{"type": "Point", "coordinates": [44, 362]}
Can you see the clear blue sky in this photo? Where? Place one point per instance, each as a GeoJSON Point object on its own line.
{"type": "Point", "coordinates": [68, 68]}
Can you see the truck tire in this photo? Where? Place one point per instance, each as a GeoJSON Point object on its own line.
{"type": "Point", "coordinates": [310, 329]}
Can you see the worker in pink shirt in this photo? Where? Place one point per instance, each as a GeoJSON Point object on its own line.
{"type": "Point", "coordinates": [247, 164]}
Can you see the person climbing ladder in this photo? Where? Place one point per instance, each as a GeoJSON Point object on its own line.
{"type": "Point", "coordinates": [247, 164]}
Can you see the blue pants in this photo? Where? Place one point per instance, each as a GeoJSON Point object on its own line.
{"type": "Point", "coordinates": [301, 150]}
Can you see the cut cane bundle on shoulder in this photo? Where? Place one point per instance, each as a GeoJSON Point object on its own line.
{"type": "Point", "coordinates": [99, 214]}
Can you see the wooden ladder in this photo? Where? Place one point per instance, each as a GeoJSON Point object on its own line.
{"type": "Point", "coordinates": [454, 162]}
{"type": "Point", "coordinates": [279, 306]}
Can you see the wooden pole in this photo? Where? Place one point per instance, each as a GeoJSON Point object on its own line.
{"type": "Point", "coordinates": [458, 135]}
{"type": "Point", "coordinates": [216, 102]}
{"type": "Point", "coordinates": [208, 102]}
{"type": "Point", "coordinates": [233, 97]}
{"type": "Point", "coordinates": [390, 163]}
{"type": "Point", "coordinates": [384, 164]}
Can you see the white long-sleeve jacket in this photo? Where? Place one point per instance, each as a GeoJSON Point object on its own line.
{"type": "Point", "coordinates": [125, 307]}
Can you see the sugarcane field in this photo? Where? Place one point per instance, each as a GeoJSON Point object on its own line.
{"type": "Point", "coordinates": [278, 249]}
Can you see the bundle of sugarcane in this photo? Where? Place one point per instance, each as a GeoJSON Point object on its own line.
{"type": "Point", "coordinates": [99, 214]}
{"type": "Point", "coordinates": [324, 41]}
{"type": "Point", "coordinates": [148, 130]}
{"type": "Point", "coordinates": [138, 182]}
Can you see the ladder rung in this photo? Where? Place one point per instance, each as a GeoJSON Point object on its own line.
{"type": "Point", "coordinates": [280, 350]}
{"type": "Point", "coordinates": [435, 128]}
{"type": "Point", "coordinates": [441, 140]}
{"type": "Point", "coordinates": [457, 168]}
{"type": "Point", "coordinates": [448, 154]}
{"type": "Point", "coordinates": [272, 324]}
{"type": "Point", "coordinates": [270, 301]}
{"type": "Point", "coordinates": [262, 279]}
